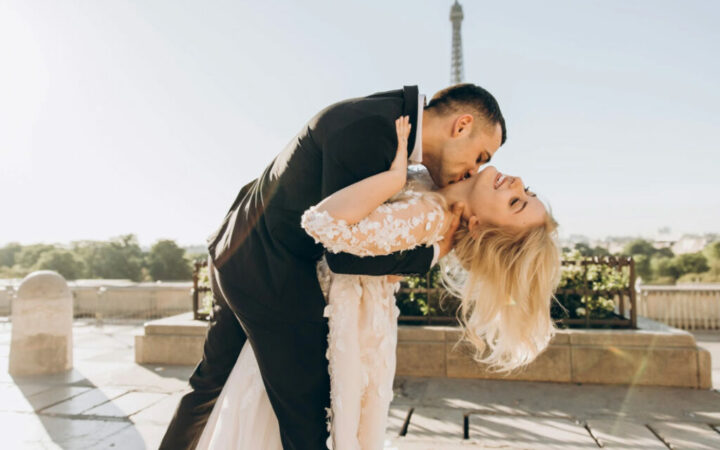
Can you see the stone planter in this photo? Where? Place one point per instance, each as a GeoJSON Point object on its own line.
{"type": "Point", "coordinates": [654, 354]}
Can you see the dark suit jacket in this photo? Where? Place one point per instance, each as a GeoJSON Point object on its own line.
{"type": "Point", "coordinates": [260, 247]}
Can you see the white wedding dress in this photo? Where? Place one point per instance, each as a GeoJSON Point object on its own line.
{"type": "Point", "coordinates": [362, 318]}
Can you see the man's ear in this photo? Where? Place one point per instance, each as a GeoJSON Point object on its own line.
{"type": "Point", "coordinates": [463, 125]}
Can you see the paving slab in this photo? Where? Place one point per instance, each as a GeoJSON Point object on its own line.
{"type": "Point", "coordinates": [85, 401]}
{"type": "Point", "coordinates": [25, 431]}
{"type": "Point", "coordinates": [539, 415]}
{"type": "Point", "coordinates": [89, 354]}
{"type": "Point", "coordinates": [137, 436]}
{"type": "Point", "coordinates": [12, 399]}
{"type": "Point", "coordinates": [575, 401]}
{"type": "Point", "coordinates": [622, 434]}
{"type": "Point", "coordinates": [688, 436]}
{"type": "Point", "coordinates": [160, 412]}
{"type": "Point", "coordinates": [125, 405]}
{"type": "Point", "coordinates": [529, 433]}
{"type": "Point", "coordinates": [167, 379]}
{"type": "Point", "coordinates": [412, 444]}
{"type": "Point", "coordinates": [54, 395]}
{"type": "Point", "coordinates": [396, 420]}
{"type": "Point", "coordinates": [24, 399]}
{"type": "Point", "coordinates": [438, 423]}
{"type": "Point", "coordinates": [60, 379]}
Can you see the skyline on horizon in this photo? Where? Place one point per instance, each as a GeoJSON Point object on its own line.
{"type": "Point", "coordinates": [147, 118]}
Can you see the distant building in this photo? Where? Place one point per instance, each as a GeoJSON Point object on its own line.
{"type": "Point", "coordinates": [690, 244]}
{"type": "Point", "coordinates": [664, 238]}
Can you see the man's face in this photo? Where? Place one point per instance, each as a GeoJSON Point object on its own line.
{"type": "Point", "coordinates": [465, 151]}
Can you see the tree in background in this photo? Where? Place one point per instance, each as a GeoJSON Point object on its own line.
{"type": "Point", "coordinates": [121, 257]}
{"type": "Point", "coordinates": [166, 261]}
{"type": "Point", "coordinates": [664, 270]}
{"type": "Point", "coordinates": [7, 254]}
{"type": "Point", "coordinates": [639, 247]}
{"type": "Point", "coordinates": [691, 263]}
{"type": "Point", "coordinates": [586, 250]}
{"type": "Point", "coordinates": [643, 267]}
{"type": "Point", "coordinates": [62, 261]}
{"type": "Point", "coordinates": [29, 255]}
{"type": "Point", "coordinates": [712, 253]}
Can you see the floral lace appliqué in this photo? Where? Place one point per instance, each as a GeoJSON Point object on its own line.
{"type": "Point", "coordinates": [400, 225]}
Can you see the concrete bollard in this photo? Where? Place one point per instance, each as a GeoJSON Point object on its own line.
{"type": "Point", "coordinates": [42, 317]}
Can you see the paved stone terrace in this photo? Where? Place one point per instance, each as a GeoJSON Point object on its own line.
{"type": "Point", "coordinates": [108, 401]}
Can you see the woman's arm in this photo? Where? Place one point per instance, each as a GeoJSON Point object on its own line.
{"type": "Point", "coordinates": [415, 221]}
{"type": "Point", "coordinates": [355, 202]}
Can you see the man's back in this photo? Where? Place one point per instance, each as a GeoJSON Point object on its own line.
{"type": "Point", "coordinates": [260, 247]}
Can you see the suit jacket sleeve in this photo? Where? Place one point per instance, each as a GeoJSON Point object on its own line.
{"type": "Point", "coordinates": [362, 149]}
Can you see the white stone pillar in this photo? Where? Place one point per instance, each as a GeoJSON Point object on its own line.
{"type": "Point", "coordinates": [42, 317]}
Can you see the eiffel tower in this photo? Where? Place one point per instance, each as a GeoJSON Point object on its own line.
{"type": "Point", "coordinates": [456, 65]}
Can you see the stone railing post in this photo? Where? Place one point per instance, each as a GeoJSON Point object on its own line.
{"type": "Point", "coordinates": [101, 305]}
{"type": "Point", "coordinates": [6, 306]}
{"type": "Point", "coordinates": [42, 318]}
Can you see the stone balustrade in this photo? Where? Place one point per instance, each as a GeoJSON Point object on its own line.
{"type": "Point", "coordinates": [689, 307]}
{"type": "Point", "coordinates": [142, 300]}
{"type": "Point", "coordinates": [118, 299]}
{"type": "Point", "coordinates": [6, 294]}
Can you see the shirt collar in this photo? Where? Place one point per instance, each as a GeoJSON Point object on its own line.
{"type": "Point", "coordinates": [416, 154]}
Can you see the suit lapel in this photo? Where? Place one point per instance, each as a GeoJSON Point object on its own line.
{"type": "Point", "coordinates": [410, 108]}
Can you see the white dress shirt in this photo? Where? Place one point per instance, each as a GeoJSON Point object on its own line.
{"type": "Point", "coordinates": [416, 158]}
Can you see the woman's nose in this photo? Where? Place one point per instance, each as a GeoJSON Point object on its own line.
{"type": "Point", "coordinates": [517, 184]}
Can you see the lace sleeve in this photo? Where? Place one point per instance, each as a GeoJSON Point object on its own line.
{"type": "Point", "coordinates": [417, 219]}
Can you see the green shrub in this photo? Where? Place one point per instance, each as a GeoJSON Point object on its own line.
{"type": "Point", "coordinates": [205, 299]}
{"type": "Point", "coordinates": [583, 290]}
{"type": "Point", "coordinates": [572, 302]}
{"type": "Point", "coordinates": [166, 261]}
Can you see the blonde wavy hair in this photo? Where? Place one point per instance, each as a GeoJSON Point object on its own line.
{"type": "Point", "coordinates": [505, 280]}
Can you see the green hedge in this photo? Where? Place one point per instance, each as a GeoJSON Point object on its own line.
{"type": "Point", "coordinates": [576, 298]}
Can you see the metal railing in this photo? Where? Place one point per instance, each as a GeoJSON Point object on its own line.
{"type": "Point", "coordinates": [197, 290]}
{"type": "Point", "coordinates": [623, 295]}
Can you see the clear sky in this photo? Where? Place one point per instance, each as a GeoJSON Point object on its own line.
{"type": "Point", "coordinates": [147, 116]}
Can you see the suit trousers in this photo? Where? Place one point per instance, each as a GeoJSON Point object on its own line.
{"type": "Point", "coordinates": [292, 361]}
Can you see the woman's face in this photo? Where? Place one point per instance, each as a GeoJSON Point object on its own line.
{"type": "Point", "coordinates": [500, 199]}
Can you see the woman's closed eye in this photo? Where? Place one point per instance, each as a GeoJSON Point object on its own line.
{"type": "Point", "coordinates": [515, 202]}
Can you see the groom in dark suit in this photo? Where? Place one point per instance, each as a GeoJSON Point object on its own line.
{"type": "Point", "coordinates": [262, 263]}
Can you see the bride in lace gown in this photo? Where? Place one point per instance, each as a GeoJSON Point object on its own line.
{"type": "Point", "coordinates": [361, 309]}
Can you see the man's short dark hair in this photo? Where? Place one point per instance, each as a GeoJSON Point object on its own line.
{"type": "Point", "coordinates": [465, 95]}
